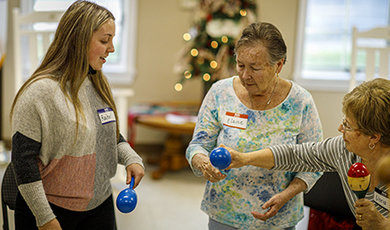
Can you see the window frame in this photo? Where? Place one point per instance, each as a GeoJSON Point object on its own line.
{"type": "Point", "coordinates": [123, 73]}
{"type": "Point", "coordinates": [336, 81]}
{"type": "Point", "coordinates": [127, 68]}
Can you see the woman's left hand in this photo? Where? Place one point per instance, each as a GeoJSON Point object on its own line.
{"type": "Point", "coordinates": [368, 217]}
{"type": "Point", "coordinates": [134, 170]}
{"type": "Point", "coordinates": [273, 205]}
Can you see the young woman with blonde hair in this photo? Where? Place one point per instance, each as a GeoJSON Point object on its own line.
{"type": "Point", "coordinates": [66, 142]}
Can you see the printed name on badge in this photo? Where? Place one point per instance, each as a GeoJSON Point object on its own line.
{"type": "Point", "coordinates": [106, 115]}
{"type": "Point", "coordinates": [235, 120]}
{"type": "Point", "coordinates": [381, 198]}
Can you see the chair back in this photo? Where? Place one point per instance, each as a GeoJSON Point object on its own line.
{"type": "Point", "coordinates": [9, 191]}
{"type": "Point", "coordinates": [373, 48]}
{"type": "Point", "coordinates": [327, 195]}
{"type": "Point", "coordinates": [32, 35]}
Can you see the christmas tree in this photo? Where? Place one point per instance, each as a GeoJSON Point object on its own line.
{"type": "Point", "coordinates": [209, 50]}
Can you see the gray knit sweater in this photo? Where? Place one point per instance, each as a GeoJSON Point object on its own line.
{"type": "Point", "coordinates": [51, 164]}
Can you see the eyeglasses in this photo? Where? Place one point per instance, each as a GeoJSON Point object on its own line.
{"type": "Point", "coordinates": [346, 127]}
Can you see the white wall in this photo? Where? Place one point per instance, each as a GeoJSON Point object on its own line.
{"type": "Point", "coordinates": [3, 25]}
{"type": "Point", "coordinates": [284, 15]}
{"type": "Point", "coordinates": [160, 54]}
{"type": "Point", "coordinates": [159, 39]}
{"type": "Point", "coordinates": [8, 85]}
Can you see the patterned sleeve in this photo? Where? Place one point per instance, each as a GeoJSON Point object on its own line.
{"type": "Point", "coordinates": [311, 130]}
{"type": "Point", "coordinates": [206, 130]}
{"type": "Point", "coordinates": [126, 154]}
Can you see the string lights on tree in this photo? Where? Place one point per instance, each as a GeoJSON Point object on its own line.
{"type": "Point", "coordinates": [209, 44]}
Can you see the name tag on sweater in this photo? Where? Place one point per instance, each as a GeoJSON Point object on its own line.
{"type": "Point", "coordinates": [235, 120]}
{"type": "Point", "coordinates": [380, 197]}
{"type": "Point", "coordinates": [106, 115]}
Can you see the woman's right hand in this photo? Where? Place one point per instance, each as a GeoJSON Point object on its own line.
{"type": "Point", "coordinates": [237, 158]}
{"type": "Point", "coordinates": [51, 225]}
{"type": "Point", "coordinates": [202, 163]}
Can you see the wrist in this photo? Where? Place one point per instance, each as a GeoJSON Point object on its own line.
{"type": "Point", "coordinates": [248, 158]}
{"type": "Point", "coordinates": [384, 223]}
{"type": "Point", "coordinates": [198, 159]}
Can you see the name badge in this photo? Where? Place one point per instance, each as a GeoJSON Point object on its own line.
{"type": "Point", "coordinates": [380, 197]}
{"type": "Point", "coordinates": [235, 120]}
{"type": "Point", "coordinates": [106, 115]}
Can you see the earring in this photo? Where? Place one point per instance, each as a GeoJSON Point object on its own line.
{"type": "Point", "coordinates": [371, 146]}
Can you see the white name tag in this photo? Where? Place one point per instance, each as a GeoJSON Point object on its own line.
{"type": "Point", "coordinates": [235, 120]}
{"type": "Point", "coordinates": [381, 198]}
{"type": "Point", "coordinates": [106, 115]}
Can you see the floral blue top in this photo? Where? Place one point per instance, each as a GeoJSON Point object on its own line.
{"type": "Point", "coordinates": [223, 119]}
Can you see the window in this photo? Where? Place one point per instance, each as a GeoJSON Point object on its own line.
{"type": "Point", "coordinates": [324, 39]}
{"type": "Point", "coordinates": [120, 66]}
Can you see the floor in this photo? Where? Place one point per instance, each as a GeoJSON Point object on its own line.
{"type": "Point", "coordinates": [172, 203]}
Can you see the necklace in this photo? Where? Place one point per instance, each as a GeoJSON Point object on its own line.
{"type": "Point", "coordinates": [273, 91]}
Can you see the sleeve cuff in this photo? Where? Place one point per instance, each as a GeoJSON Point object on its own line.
{"type": "Point", "coordinates": [309, 178]}
{"type": "Point", "coordinates": [191, 152]}
{"type": "Point", "coordinates": [127, 155]}
{"type": "Point", "coordinates": [35, 197]}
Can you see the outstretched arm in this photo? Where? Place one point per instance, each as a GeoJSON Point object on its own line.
{"type": "Point", "coordinates": [263, 158]}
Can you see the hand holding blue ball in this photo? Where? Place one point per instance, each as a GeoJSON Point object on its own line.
{"type": "Point", "coordinates": [220, 158]}
{"type": "Point", "coordinates": [127, 199]}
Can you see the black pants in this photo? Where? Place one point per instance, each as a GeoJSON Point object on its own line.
{"type": "Point", "coordinates": [102, 217]}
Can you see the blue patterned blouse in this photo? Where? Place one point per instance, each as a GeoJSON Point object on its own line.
{"type": "Point", "coordinates": [246, 189]}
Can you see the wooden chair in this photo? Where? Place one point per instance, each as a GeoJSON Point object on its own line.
{"type": "Point", "coordinates": [32, 37]}
{"type": "Point", "coordinates": [377, 46]}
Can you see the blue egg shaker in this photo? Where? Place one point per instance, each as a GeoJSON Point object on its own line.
{"type": "Point", "coordinates": [127, 199]}
{"type": "Point", "coordinates": [220, 158]}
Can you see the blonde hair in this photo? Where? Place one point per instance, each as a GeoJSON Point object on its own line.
{"type": "Point", "coordinates": [66, 59]}
{"type": "Point", "coordinates": [369, 105]}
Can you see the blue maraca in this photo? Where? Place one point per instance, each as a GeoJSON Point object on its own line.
{"type": "Point", "coordinates": [220, 158]}
{"type": "Point", "coordinates": [127, 199]}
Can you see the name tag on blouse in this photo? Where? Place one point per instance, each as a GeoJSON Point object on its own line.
{"type": "Point", "coordinates": [235, 120]}
{"type": "Point", "coordinates": [106, 115]}
{"type": "Point", "coordinates": [381, 198]}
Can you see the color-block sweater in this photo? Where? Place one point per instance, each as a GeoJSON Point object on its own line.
{"type": "Point", "coordinates": [51, 163]}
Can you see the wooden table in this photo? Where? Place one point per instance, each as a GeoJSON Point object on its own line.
{"type": "Point", "coordinates": [173, 156]}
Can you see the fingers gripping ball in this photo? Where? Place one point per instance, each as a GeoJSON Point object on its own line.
{"type": "Point", "coordinates": [127, 199]}
{"type": "Point", "coordinates": [359, 179]}
{"type": "Point", "coordinates": [220, 158]}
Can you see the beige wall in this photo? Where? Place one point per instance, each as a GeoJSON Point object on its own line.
{"type": "Point", "coordinates": [161, 25]}
{"type": "Point", "coordinates": [159, 39]}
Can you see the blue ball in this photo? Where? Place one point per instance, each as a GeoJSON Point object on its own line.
{"type": "Point", "coordinates": [220, 158]}
{"type": "Point", "coordinates": [126, 200]}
